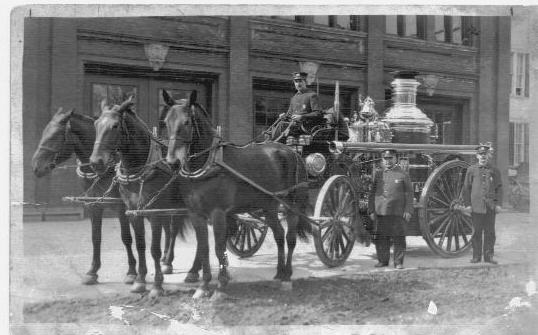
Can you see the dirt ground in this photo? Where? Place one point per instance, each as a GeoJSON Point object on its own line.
{"type": "Point", "coordinates": [472, 295]}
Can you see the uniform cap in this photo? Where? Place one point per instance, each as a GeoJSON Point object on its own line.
{"type": "Point", "coordinates": [299, 75]}
{"type": "Point", "coordinates": [388, 153]}
{"type": "Point", "coordinates": [484, 148]}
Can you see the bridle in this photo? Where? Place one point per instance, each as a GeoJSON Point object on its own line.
{"type": "Point", "coordinates": [114, 148]}
{"type": "Point", "coordinates": [57, 151]}
{"type": "Point", "coordinates": [211, 150]}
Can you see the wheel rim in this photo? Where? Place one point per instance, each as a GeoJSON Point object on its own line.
{"type": "Point", "coordinates": [249, 236]}
{"type": "Point", "coordinates": [337, 211]}
{"type": "Point", "coordinates": [446, 229]}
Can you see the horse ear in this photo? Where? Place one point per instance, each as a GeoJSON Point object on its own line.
{"type": "Point", "coordinates": [103, 105]}
{"type": "Point", "coordinates": [62, 116]}
{"type": "Point", "coordinates": [192, 97]}
{"type": "Point", "coordinates": [126, 104]}
{"type": "Point", "coordinates": [168, 99]}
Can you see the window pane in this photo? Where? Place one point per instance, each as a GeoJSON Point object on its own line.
{"type": "Point", "coordinates": [439, 28]}
{"type": "Point", "coordinates": [343, 21]}
{"type": "Point", "coordinates": [410, 26]}
{"type": "Point", "coordinates": [519, 74]}
{"type": "Point", "coordinates": [391, 25]}
{"type": "Point", "coordinates": [112, 94]}
{"type": "Point", "coordinates": [456, 30]}
{"type": "Point", "coordinates": [321, 19]}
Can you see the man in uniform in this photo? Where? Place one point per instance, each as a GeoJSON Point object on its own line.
{"type": "Point", "coordinates": [390, 203]}
{"type": "Point", "coordinates": [304, 112]}
{"type": "Point", "coordinates": [483, 191]}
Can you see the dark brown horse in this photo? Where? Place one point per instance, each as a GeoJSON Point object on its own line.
{"type": "Point", "coordinates": [142, 175]}
{"type": "Point", "coordinates": [71, 133]}
{"type": "Point", "coordinates": [216, 193]}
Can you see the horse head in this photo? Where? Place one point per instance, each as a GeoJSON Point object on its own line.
{"type": "Point", "coordinates": [189, 128]}
{"type": "Point", "coordinates": [55, 146]}
{"type": "Point", "coordinates": [108, 134]}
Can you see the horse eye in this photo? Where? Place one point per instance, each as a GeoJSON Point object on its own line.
{"type": "Point", "coordinates": [115, 126]}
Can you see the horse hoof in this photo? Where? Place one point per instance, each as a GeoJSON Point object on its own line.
{"type": "Point", "coordinates": [89, 279]}
{"type": "Point", "coordinates": [129, 279]}
{"type": "Point", "coordinates": [286, 286]}
{"type": "Point", "coordinates": [192, 277]}
{"type": "Point", "coordinates": [167, 269]}
{"type": "Point", "coordinates": [200, 293]}
{"type": "Point", "coordinates": [138, 287]}
{"type": "Point", "coordinates": [156, 292]}
{"type": "Point", "coordinates": [218, 296]}
{"type": "Point", "coordinates": [223, 281]}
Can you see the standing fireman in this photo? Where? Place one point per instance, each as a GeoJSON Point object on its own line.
{"type": "Point", "coordinates": [483, 191]}
{"type": "Point", "coordinates": [390, 203]}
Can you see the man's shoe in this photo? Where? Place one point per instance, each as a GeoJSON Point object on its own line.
{"type": "Point", "coordinates": [491, 261]}
{"type": "Point", "coordinates": [380, 265]}
{"type": "Point", "coordinates": [475, 260]}
{"type": "Point", "coordinates": [399, 266]}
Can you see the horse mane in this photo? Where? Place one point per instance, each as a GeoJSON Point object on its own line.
{"type": "Point", "coordinates": [206, 118]}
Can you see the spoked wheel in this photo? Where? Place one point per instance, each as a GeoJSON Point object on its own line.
{"type": "Point", "coordinates": [336, 211]}
{"type": "Point", "coordinates": [445, 228]}
{"type": "Point", "coordinates": [251, 231]}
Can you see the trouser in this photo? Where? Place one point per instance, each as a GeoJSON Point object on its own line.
{"type": "Point", "coordinates": [484, 231]}
{"type": "Point", "coordinates": [390, 230]}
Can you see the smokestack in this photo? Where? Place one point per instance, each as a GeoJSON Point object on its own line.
{"type": "Point", "coordinates": [407, 122]}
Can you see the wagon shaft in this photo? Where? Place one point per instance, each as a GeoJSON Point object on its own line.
{"type": "Point", "coordinates": [157, 212]}
{"type": "Point", "coordinates": [94, 200]}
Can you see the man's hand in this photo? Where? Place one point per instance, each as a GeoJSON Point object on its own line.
{"type": "Point", "coordinates": [498, 209]}
{"type": "Point", "coordinates": [407, 216]}
{"type": "Point", "coordinates": [296, 117]}
{"type": "Point", "coordinates": [373, 216]}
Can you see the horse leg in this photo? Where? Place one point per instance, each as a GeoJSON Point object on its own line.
{"type": "Point", "coordinates": [166, 228]}
{"type": "Point", "coordinates": [291, 239]}
{"type": "Point", "coordinates": [218, 219]}
{"type": "Point", "coordinates": [156, 232]}
{"type": "Point", "coordinates": [127, 240]}
{"type": "Point", "coordinates": [172, 224]}
{"type": "Point", "coordinates": [192, 275]}
{"type": "Point", "coordinates": [96, 218]}
{"type": "Point", "coordinates": [139, 286]}
{"type": "Point", "coordinates": [202, 255]}
{"type": "Point", "coordinates": [271, 218]}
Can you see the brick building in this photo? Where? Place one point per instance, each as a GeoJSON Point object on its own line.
{"type": "Point", "coordinates": [241, 67]}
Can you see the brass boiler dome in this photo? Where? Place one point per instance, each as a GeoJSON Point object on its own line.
{"type": "Point", "coordinates": [407, 122]}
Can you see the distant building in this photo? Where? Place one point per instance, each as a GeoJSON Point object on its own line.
{"type": "Point", "coordinates": [241, 68]}
{"type": "Point", "coordinates": [523, 96]}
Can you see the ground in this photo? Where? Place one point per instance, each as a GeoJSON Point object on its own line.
{"type": "Point", "coordinates": [48, 298]}
{"type": "Point", "coordinates": [463, 296]}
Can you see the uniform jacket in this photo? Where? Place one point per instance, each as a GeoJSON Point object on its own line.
{"type": "Point", "coordinates": [482, 188]}
{"type": "Point", "coordinates": [306, 104]}
{"type": "Point", "coordinates": [391, 193]}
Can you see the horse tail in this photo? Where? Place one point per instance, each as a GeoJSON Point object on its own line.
{"type": "Point", "coordinates": [180, 224]}
{"type": "Point", "coordinates": [304, 228]}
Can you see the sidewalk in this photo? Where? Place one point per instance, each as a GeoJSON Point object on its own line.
{"type": "Point", "coordinates": [57, 254]}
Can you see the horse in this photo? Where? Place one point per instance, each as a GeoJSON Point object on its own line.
{"type": "Point", "coordinates": [143, 177]}
{"type": "Point", "coordinates": [70, 133]}
{"type": "Point", "coordinates": [275, 173]}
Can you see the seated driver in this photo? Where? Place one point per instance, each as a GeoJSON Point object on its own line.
{"type": "Point", "coordinates": [303, 114]}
